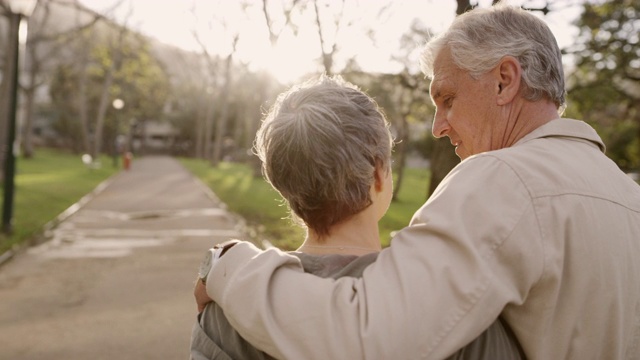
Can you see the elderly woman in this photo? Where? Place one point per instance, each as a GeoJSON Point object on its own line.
{"type": "Point", "coordinates": [325, 146]}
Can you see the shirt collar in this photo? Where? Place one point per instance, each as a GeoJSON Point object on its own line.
{"type": "Point", "coordinates": [565, 128]}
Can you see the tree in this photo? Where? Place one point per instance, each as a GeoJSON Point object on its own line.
{"type": "Point", "coordinates": [45, 44]}
{"type": "Point", "coordinates": [253, 93]}
{"type": "Point", "coordinates": [139, 80]}
{"type": "Point", "coordinates": [219, 25]}
{"type": "Point", "coordinates": [221, 124]}
{"type": "Point", "coordinates": [63, 112]}
{"type": "Point", "coordinates": [328, 48]}
{"type": "Point", "coordinates": [275, 27]}
{"type": "Point", "coordinates": [404, 97]}
{"type": "Point", "coordinates": [605, 85]}
{"type": "Point", "coordinates": [111, 59]}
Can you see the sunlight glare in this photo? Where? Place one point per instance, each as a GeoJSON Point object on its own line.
{"type": "Point", "coordinates": [292, 58]}
{"type": "Point", "coordinates": [370, 35]}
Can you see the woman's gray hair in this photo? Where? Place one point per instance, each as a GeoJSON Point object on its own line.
{"type": "Point", "coordinates": [479, 38]}
{"type": "Point", "coordinates": [320, 144]}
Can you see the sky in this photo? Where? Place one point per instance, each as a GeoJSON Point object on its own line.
{"type": "Point", "coordinates": [217, 21]}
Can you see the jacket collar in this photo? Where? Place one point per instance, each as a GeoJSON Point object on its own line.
{"type": "Point", "coordinates": [565, 128]}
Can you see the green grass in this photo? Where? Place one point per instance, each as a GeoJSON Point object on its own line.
{"type": "Point", "coordinates": [45, 186]}
{"type": "Point", "coordinates": [255, 200]}
{"type": "Point", "coordinates": [412, 195]}
{"type": "Point", "coordinates": [250, 197]}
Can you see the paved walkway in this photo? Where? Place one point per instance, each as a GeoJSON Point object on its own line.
{"type": "Point", "coordinates": [115, 281]}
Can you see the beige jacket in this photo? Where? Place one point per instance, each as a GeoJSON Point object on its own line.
{"type": "Point", "coordinates": [213, 337]}
{"type": "Point", "coordinates": [546, 232]}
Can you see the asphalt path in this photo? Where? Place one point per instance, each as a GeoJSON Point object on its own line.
{"type": "Point", "coordinates": [114, 280]}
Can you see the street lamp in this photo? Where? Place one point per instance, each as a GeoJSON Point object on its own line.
{"type": "Point", "coordinates": [118, 104]}
{"type": "Point", "coordinates": [18, 11]}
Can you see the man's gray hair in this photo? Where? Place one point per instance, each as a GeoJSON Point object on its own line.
{"type": "Point", "coordinates": [320, 144]}
{"type": "Point", "coordinates": [481, 37]}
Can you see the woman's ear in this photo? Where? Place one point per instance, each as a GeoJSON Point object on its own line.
{"type": "Point", "coordinates": [509, 75]}
{"type": "Point", "coordinates": [379, 175]}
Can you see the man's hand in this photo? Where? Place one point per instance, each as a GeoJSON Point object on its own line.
{"type": "Point", "coordinates": [200, 292]}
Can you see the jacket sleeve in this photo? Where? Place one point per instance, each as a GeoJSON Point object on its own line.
{"type": "Point", "coordinates": [473, 248]}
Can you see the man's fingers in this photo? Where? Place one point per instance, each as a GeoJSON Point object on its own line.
{"type": "Point", "coordinates": [200, 293]}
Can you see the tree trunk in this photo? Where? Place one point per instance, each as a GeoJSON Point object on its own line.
{"type": "Point", "coordinates": [221, 124]}
{"type": "Point", "coordinates": [32, 85]}
{"type": "Point", "coordinates": [443, 159]}
{"type": "Point", "coordinates": [463, 5]}
{"type": "Point", "coordinates": [208, 130]}
{"type": "Point", "coordinates": [102, 110]}
{"type": "Point", "coordinates": [199, 130]}
{"type": "Point", "coordinates": [44, 47]}
{"type": "Point", "coordinates": [83, 49]}
{"type": "Point", "coordinates": [327, 55]}
{"type": "Point", "coordinates": [105, 99]}
{"type": "Point", "coordinates": [83, 111]}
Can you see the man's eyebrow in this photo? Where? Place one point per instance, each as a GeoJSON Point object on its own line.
{"type": "Point", "coordinates": [435, 94]}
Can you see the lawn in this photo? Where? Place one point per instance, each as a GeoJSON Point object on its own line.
{"type": "Point", "coordinates": [253, 198]}
{"type": "Point", "coordinates": [45, 186]}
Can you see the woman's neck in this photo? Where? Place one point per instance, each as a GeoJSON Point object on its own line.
{"type": "Point", "coordinates": [355, 236]}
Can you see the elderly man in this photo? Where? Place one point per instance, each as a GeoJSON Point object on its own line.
{"type": "Point", "coordinates": [535, 225]}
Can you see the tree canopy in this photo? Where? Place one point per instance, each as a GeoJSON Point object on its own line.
{"type": "Point", "coordinates": [604, 87]}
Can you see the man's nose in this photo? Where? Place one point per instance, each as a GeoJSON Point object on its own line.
{"type": "Point", "coordinates": [440, 126]}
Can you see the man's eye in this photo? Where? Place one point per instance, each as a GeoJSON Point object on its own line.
{"type": "Point", "coordinates": [448, 102]}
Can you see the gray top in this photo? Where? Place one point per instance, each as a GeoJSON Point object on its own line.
{"type": "Point", "coordinates": [214, 338]}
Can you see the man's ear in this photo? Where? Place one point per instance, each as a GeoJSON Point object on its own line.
{"type": "Point", "coordinates": [509, 75]}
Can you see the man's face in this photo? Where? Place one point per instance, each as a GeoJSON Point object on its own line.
{"type": "Point", "coordinates": [466, 109]}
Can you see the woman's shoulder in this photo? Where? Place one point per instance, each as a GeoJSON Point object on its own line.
{"type": "Point", "coordinates": [335, 265]}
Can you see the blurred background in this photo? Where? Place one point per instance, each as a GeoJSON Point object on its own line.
{"type": "Point", "coordinates": [192, 78]}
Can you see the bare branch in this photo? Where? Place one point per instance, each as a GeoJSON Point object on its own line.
{"type": "Point", "coordinates": [274, 34]}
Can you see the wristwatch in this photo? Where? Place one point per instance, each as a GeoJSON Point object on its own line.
{"type": "Point", "coordinates": [205, 266]}
{"type": "Point", "coordinates": [211, 256]}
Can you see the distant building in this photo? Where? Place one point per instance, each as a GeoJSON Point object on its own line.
{"type": "Point", "coordinates": [154, 137]}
